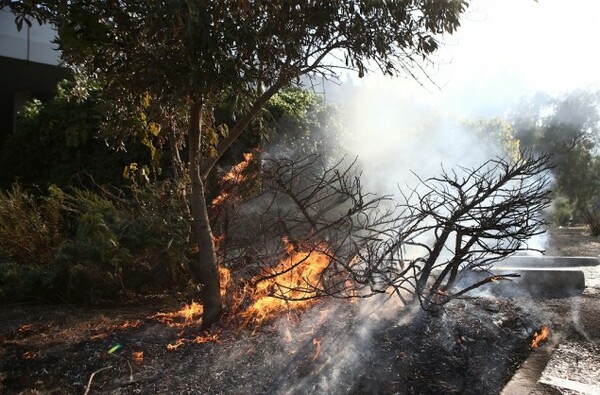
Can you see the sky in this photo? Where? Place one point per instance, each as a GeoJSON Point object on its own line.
{"type": "Point", "coordinates": [509, 48]}
{"type": "Point", "coordinates": [503, 51]}
{"type": "Point", "coordinates": [506, 49]}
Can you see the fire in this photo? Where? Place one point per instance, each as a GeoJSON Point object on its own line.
{"type": "Point", "coordinates": [289, 285]}
{"type": "Point", "coordinates": [30, 355]}
{"type": "Point", "coordinates": [191, 314]}
{"type": "Point", "coordinates": [233, 177]}
{"type": "Point", "coordinates": [133, 324]}
{"type": "Point", "coordinates": [317, 344]}
{"type": "Point", "coordinates": [214, 337]}
{"type": "Point", "coordinates": [138, 356]}
{"type": "Point", "coordinates": [26, 328]}
{"type": "Point", "coordinates": [176, 345]}
{"type": "Point", "coordinates": [540, 337]}
{"type": "Point", "coordinates": [235, 174]}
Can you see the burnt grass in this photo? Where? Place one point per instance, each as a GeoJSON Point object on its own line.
{"type": "Point", "coordinates": [473, 348]}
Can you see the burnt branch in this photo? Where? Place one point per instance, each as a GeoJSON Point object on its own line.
{"type": "Point", "coordinates": [419, 249]}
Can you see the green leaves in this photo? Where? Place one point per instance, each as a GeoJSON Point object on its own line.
{"type": "Point", "coordinates": [158, 56]}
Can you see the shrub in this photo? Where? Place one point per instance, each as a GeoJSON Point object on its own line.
{"type": "Point", "coordinates": [29, 227]}
{"type": "Point", "coordinates": [591, 217]}
{"type": "Point", "coordinates": [57, 141]}
{"type": "Point", "coordinates": [563, 212]}
{"type": "Point", "coordinates": [89, 247]}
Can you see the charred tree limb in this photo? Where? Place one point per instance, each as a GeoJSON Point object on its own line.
{"type": "Point", "coordinates": [418, 249]}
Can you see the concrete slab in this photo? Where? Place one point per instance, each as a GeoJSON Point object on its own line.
{"type": "Point", "coordinates": [532, 282]}
{"type": "Point", "coordinates": [525, 380]}
{"type": "Point", "coordinates": [548, 261]}
{"type": "Point", "coordinates": [575, 366]}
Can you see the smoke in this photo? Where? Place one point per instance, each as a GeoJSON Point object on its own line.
{"type": "Point", "coordinates": [506, 49]}
{"type": "Point", "coordinates": [397, 126]}
{"type": "Point", "coordinates": [503, 51]}
{"type": "Point", "coordinates": [394, 136]}
{"type": "Point", "coordinates": [346, 345]}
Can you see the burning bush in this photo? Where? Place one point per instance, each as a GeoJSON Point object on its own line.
{"type": "Point", "coordinates": [418, 249]}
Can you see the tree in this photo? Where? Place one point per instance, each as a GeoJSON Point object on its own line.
{"type": "Point", "coordinates": [193, 53]}
{"type": "Point", "coordinates": [566, 127]}
{"type": "Point", "coordinates": [498, 133]}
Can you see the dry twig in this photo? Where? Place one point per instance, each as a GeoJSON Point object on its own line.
{"type": "Point", "coordinates": [89, 384]}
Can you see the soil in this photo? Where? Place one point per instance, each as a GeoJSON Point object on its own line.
{"type": "Point", "coordinates": [337, 347]}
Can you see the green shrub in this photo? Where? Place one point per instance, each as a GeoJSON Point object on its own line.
{"type": "Point", "coordinates": [30, 227]}
{"type": "Point", "coordinates": [58, 142]}
{"type": "Point", "coordinates": [89, 247]}
{"type": "Point", "coordinates": [127, 245]}
{"type": "Point", "coordinates": [22, 282]}
{"type": "Point", "coordinates": [563, 213]}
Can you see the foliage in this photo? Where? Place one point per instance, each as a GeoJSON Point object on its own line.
{"type": "Point", "coordinates": [130, 241]}
{"type": "Point", "coordinates": [57, 142]}
{"type": "Point", "coordinates": [174, 51]}
{"type": "Point", "coordinates": [30, 227]}
{"type": "Point", "coordinates": [303, 124]}
{"type": "Point", "coordinates": [194, 53]}
{"type": "Point", "coordinates": [566, 127]}
{"type": "Point", "coordinates": [101, 247]}
{"type": "Point", "coordinates": [31, 234]}
{"type": "Point", "coordinates": [591, 216]}
{"type": "Point", "coordinates": [562, 212]}
{"type": "Point", "coordinates": [497, 132]}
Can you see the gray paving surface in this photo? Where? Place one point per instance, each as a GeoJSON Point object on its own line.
{"type": "Point", "coordinates": [570, 362]}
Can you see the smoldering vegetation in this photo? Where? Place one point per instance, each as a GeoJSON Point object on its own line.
{"type": "Point", "coordinates": [336, 347]}
{"type": "Point", "coordinates": [416, 246]}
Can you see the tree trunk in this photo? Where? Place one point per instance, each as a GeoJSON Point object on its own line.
{"type": "Point", "coordinates": [176, 162]}
{"type": "Point", "coordinates": [205, 270]}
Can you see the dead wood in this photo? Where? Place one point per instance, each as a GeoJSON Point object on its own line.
{"type": "Point", "coordinates": [89, 383]}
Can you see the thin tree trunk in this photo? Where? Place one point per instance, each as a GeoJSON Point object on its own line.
{"type": "Point", "coordinates": [205, 270]}
{"type": "Point", "coordinates": [176, 162]}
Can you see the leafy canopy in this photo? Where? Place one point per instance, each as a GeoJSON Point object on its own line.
{"type": "Point", "coordinates": [182, 49]}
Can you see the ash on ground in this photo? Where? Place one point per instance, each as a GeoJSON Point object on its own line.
{"type": "Point", "coordinates": [473, 348]}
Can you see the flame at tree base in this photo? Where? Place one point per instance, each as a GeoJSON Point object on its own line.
{"type": "Point", "coordinates": [287, 287]}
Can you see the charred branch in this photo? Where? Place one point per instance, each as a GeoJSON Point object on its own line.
{"type": "Point", "coordinates": [462, 220]}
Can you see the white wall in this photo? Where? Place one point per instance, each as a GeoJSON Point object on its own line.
{"type": "Point", "coordinates": [31, 44]}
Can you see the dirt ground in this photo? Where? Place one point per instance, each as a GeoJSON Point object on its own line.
{"type": "Point", "coordinates": [336, 347]}
{"type": "Point", "coordinates": [574, 241]}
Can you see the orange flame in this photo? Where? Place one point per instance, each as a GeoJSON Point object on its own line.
{"type": "Point", "coordinates": [174, 346]}
{"type": "Point", "coordinates": [317, 344]}
{"type": "Point", "coordinates": [290, 286]}
{"type": "Point", "coordinates": [233, 177]}
{"type": "Point", "coordinates": [207, 339]}
{"type": "Point", "coordinates": [191, 314]}
{"type": "Point", "coordinates": [30, 354]}
{"type": "Point", "coordinates": [138, 356]}
{"type": "Point", "coordinates": [133, 324]}
{"type": "Point", "coordinates": [26, 328]}
{"type": "Point", "coordinates": [235, 174]}
{"type": "Point", "coordinates": [540, 337]}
